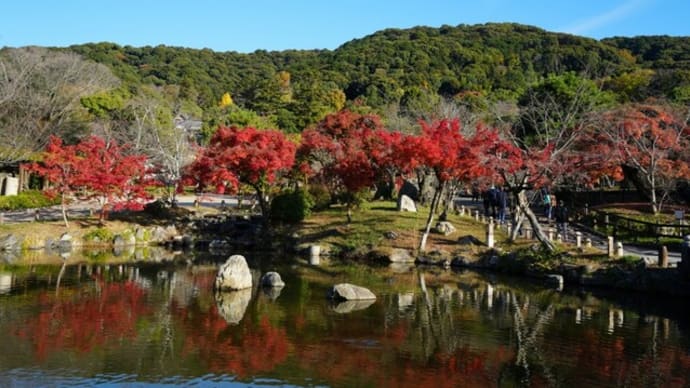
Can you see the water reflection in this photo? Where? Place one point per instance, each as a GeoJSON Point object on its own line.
{"type": "Point", "coordinates": [349, 306]}
{"type": "Point", "coordinates": [157, 322]}
{"type": "Point", "coordinates": [233, 304]}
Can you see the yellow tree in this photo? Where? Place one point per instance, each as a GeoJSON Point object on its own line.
{"type": "Point", "coordinates": [226, 100]}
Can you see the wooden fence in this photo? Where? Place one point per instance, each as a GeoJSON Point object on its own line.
{"type": "Point", "coordinates": [633, 228]}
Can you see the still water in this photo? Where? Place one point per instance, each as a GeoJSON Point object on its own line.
{"type": "Point", "coordinates": [136, 325]}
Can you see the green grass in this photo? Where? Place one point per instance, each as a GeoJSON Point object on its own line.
{"type": "Point", "coordinates": [372, 220]}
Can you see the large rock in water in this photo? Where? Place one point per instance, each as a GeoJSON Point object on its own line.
{"type": "Point", "coordinates": [347, 291]}
{"type": "Point", "coordinates": [234, 274]}
{"type": "Point", "coordinates": [272, 279]}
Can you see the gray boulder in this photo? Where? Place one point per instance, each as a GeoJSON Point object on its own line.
{"type": "Point", "coordinates": [445, 228]}
{"type": "Point", "coordinates": [399, 255]}
{"type": "Point", "coordinates": [234, 274]}
{"type": "Point", "coordinates": [406, 204]}
{"type": "Point", "coordinates": [347, 291]}
{"type": "Point", "coordinates": [271, 279]}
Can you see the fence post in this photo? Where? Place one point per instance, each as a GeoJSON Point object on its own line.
{"type": "Point", "coordinates": [663, 256]}
{"type": "Point", "coordinates": [490, 235]}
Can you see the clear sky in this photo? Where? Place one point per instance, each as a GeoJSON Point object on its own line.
{"type": "Point", "coordinates": [248, 25]}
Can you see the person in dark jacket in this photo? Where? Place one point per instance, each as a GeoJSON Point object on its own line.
{"type": "Point", "coordinates": [561, 215]}
{"type": "Point", "coordinates": [502, 205]}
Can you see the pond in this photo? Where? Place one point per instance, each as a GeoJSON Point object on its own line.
{"type": "Point", "coordinates": [140, 325]}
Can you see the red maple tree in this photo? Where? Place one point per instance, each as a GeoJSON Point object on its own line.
{"type": "Point", "coordinates": [444, 151]}
{"type": "Point", "coordinates": [92, 169]}
{"type": "Point", "coordinates": [650, 144]}
{"type": "Point", "coordinates": [60, 166]}
{"type": "Point", "coordinates": [244, 155]}
{"type": "Point", "coordinates": [343, 149]}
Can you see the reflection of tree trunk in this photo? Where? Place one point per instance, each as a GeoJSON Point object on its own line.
{"type": "Point", "coordinates": [59, 278]}
{"type": "Point", "coordinates": [527, 338]}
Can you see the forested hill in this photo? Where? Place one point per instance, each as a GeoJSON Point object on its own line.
{"type": "Point", "coordinates": [403, 67]}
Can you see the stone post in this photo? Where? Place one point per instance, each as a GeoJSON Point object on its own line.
{"type": "Point", "coordinates": [528, 232]}
{"type": "Point", "coordinates": [586, 209]}
{"type": "Point", "coordinates": [610, 246]}
{"type": "Point", "coordinates": [550, 234]}
{"type": "Point", "coordinates": [509, 228]}
{"type": "Point", "coordinates": [578, 239]}
{"type": "Point", "coordinates": [476, 215]}
{"type": "Point", "coordinates": [619, 250]}
{"type": "Point", "coordinates": [314, 254]}
{"type": "Point", "coordinates": [588, 242]}
{"type": "Point", "coordinates": [490, 234]}
{"type": "Point", "coordinates": [663, 256]}
{"type": "Point", "coordinates": [462, 210]}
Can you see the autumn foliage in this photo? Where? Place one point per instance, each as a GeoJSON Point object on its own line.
{"type": "Point", "coordinates": [248, 156]}
{"type": "Point", "coordinates": [94, 169]}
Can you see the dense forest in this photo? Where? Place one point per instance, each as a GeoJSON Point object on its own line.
{"type": "Point", "coordinates": [408, 69]}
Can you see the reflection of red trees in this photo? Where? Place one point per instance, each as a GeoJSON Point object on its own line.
{"type": "Point", "coordinates": [254, 348]}
{"type": "Point", "coordinates": [109, 315]}
{"type": "Point", "coordinates": [611, 360]}
{"type": "Point", "coordinates": [365, 357]}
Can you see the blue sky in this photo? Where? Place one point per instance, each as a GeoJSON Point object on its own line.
{"type": "Point", "coordinates": [245, 26]}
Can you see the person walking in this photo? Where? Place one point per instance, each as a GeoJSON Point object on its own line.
{"type": "Point", "coordinates": [546, 201]}
{"type": "Point", "coordinates": [502, 205]}
{"type": "Point", "coordinates": [561, 215]}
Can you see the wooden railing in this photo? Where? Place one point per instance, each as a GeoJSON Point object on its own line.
{"type": "Point", "coordinates": [633, 228]}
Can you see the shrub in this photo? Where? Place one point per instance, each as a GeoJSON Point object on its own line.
{"type": "Point", "coordinates": [28, 199]}
{"type": "Point", "coordinates": [100, 235]}
{"type": "Point", "coordinates": [292, 206]}
{"type": "Point", "coordinates": [321, 197]}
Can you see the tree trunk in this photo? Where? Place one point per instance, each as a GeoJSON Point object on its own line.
{"type": "Point", "coordinates": [263, 204]}
{"type": "Point", "coordinates": [523, 204]}
{"type": "Point", "coordinates": [430, 219]}
{"type": "Point", "coordinates": [64, 210]}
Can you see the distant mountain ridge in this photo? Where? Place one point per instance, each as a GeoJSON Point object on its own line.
{"type": "Point", "coordinates": [392, 66]}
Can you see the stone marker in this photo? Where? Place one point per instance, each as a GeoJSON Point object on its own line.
{"type": "Point", "coordinates": [578, 239]}
{"type": "Point", "coordinates": [611, 252]}
{"type": "Point", "coordinates": [619, 250]}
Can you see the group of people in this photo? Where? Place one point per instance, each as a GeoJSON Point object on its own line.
{"type": "Point", "coordinates": [556, 210]}
{"type": "Point", "coordinates": [496, 203]}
